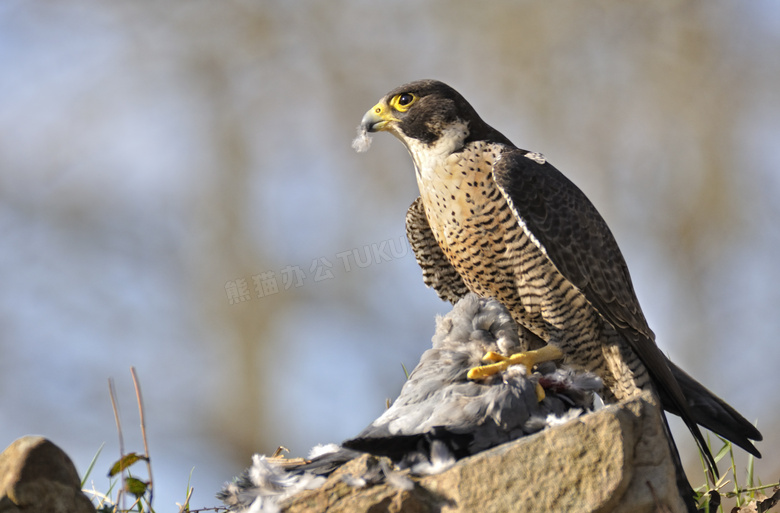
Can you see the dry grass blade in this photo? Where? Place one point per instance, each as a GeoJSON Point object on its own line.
{"type": "Point", "coordinates": [139, 400]}
{"type": "Point", "coordinates": [115, 406]}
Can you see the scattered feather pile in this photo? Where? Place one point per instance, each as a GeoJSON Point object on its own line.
{"type": "Point", "coordinates": [440, 416]}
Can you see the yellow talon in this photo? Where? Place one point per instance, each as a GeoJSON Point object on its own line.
{"type": "Point", "coordinates": [484, 371]}
{"type": "Point", "coordinates": [501, 363]}
{"type": "Point", "coordinates": [492, 356]}
{"type": "Point", "coordinates": [540, 395]}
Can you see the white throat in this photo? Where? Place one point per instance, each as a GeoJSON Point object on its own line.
{"type": "Point", "coordinates": [429, 157]}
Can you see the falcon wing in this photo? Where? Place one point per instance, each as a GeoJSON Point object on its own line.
{"type": "Point", "coordinates": [438, 273]}
{"type": "Point", "coordinates": [564, 224]}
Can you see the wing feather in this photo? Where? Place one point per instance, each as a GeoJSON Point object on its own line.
{"type": "Point", "coordinates": [558, 217]}
{"type": "Point", "coordinates": [438, 273]}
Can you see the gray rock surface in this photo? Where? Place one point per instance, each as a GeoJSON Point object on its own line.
{"type": "Point", "coordinates": [37, 476]}
{"type": "Point", "coordinates": [616, 460]}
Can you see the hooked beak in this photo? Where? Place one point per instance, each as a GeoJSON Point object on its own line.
{"type": "Point", "coordinates": [377, 118]}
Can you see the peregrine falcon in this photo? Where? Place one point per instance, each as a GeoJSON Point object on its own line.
{"type": "Point", "coordinates": [440, 416]}
{"type": "Point", "coordinates": [504, 223]}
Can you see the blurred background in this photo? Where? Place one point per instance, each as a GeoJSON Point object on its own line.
{"type": "Point", "coordinates": [178, 193]}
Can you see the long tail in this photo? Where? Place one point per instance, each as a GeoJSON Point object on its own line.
{"type": "Point", "coordinates": [683, 486]}
{"type": "Point", "coordinates": [713, 413]}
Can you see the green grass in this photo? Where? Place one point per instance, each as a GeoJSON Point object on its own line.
{"type": "Point", "coordinates": [132, 472]}
{"type": "Point", "coordinates": [750, 497]}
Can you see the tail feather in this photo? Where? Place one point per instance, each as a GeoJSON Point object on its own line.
{"type": "Point", "coordinates": [713, 413]}
{"type": "Point", "coordinates": [683, 486]}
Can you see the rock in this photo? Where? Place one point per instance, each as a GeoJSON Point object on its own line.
{"type": "Point", "coordinates": [36, 476]}
{"type": "Point", "coordinates": [616, 460]}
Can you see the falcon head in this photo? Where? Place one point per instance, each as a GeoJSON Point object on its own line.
{"type": "Point", "coordinates": [427, 112]}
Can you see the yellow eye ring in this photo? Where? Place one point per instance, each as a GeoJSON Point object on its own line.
{"type": "Point", "coordinates": [402, 102]}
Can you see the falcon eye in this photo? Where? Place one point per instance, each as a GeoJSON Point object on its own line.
{"type": "Point", "coordinates": [402, 102]}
